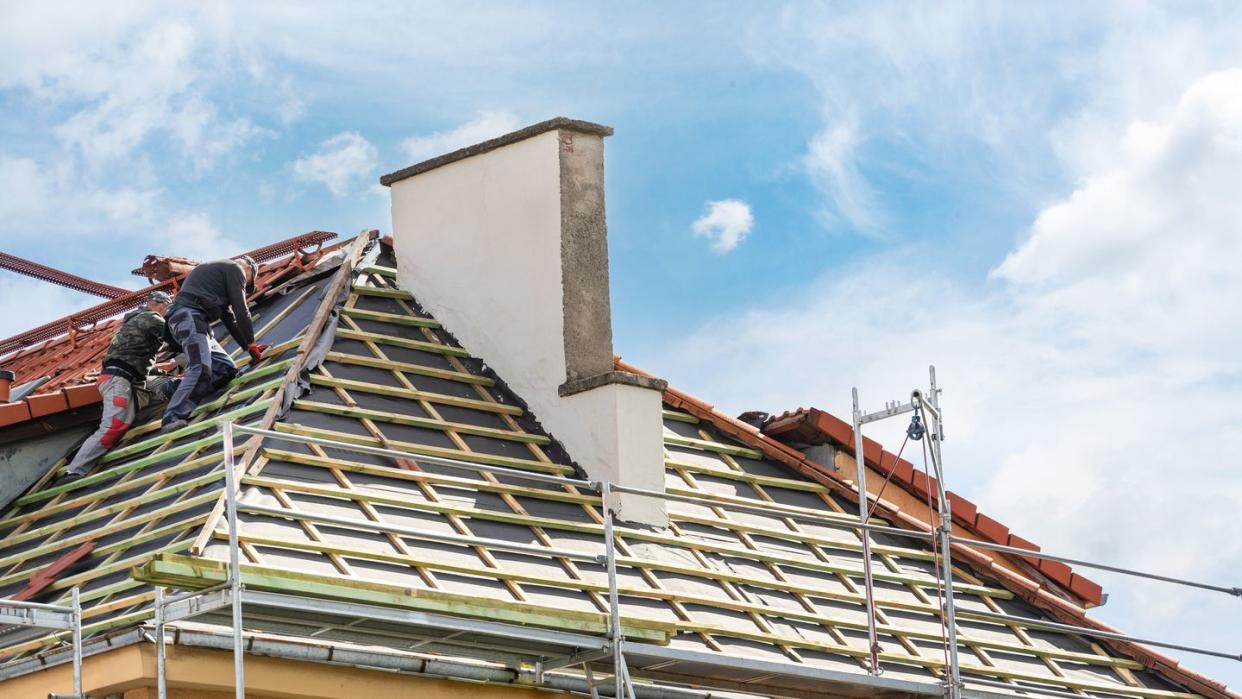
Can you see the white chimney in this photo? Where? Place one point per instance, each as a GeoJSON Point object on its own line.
{"type": "Point", "coordinates": [505, 243]}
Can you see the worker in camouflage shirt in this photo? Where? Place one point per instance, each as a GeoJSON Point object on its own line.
{"type": "Point", "coordinates": [122, 382]}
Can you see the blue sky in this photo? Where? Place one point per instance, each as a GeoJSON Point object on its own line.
{"type": "Point", "coordinates": [1039, 198]}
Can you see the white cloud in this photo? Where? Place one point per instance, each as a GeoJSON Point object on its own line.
{"type": "Point", "coordinates": [27, 303]}
{"type": "Point", "coordinates": [155, 81]}
{"type": "Point", "coordinates": [1025, 96]}
{"type": "Point", "coordinates": [25, 192]}
{"type": "Point", "coordinates": [1153, 240]}
{"type": "Point", "coordinates": [831, 162]}
{"type": "Point", "coordinates": [204, 136]}
{"type": "Point", "coordinates": [1090, 390]}
{"type": "Point", "coordinates": [39, 194]}
{"type": "Point", "coordinates": [725, 223]}
{"type": "Point", "coordinates": [196, 237]}
{"type": "Point", "coordinates": [485, 125]}
{"type": "Point", "coordinates": [339, 162]}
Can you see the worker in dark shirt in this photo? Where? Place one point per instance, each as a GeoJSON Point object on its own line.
{"type": "Point", "coordinates": [212, 291]}
{"type": "Point", "coordinates": [122, 382]}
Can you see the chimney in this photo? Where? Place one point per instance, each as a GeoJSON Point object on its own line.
{"type": "Point", "coordinates": [6, 382]}
{"type": "Point", "coordinates": [505, 243]}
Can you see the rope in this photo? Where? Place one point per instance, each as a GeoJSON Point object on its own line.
{"type": "Point", "coordinates": [892, 469]}
{"type": "Point", "coordinates": [876, 648]}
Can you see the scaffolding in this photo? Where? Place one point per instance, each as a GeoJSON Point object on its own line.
{"type": "Point", "coordinates": [22, 618]}
{"type": "Point", "coordinates": [542, 655]}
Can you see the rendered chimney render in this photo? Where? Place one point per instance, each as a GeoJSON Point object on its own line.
{"type": "Point", "coordinates": [437, 476]}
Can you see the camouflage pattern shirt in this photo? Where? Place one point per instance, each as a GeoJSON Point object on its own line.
{"type": "Point", "coordinates": [134, 346]}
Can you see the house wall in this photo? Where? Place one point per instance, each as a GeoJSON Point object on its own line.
{"type": "Point", "coordinates": [199, 673]}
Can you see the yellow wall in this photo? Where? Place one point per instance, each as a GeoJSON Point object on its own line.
{"type": "Point", "coordinates": [197, 673]}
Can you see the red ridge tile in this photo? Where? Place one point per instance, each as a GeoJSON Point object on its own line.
{"type": "Point", "coordinates": [46, 404]}
{"type": "Point", "coordinates": [923, 484]}
{"type": "Point", "coordinates": [961, 508]}
{"type": "Point", "coordinates": [12, 413]}
{"type": "Point", "coordinates": [1086, 589]}
{"type": "Point", "coordinates": [835, 428]}
{"type": "Point", "coordinates": [79, 396]}
{"type": "Point", "coordinates": [1056, 570]}
{"type": "Point", "coordinates": [872, 451]}
{"type": "Point", "coordinates": [991, 529]}
{"type": "Point", "coordinates": [904, 472]}
{"type": "Point", "coordinates": [1018, 542]}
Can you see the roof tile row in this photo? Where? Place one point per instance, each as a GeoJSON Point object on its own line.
{"type": "Point", "coordinates": [44, 404]}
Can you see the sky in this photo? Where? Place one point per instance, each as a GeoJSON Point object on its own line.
{"type": "Point", "coordinates": [1040, 199]}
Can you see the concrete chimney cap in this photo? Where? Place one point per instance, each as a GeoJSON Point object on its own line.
{"type": "Point", "coordinates": [554, 124]}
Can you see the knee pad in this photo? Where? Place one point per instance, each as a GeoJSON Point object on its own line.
{"type": "Point", "coordinates": [116, 430]}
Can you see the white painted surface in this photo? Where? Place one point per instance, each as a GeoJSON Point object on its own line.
{"type": "Point", "coordinates": [478, 242]}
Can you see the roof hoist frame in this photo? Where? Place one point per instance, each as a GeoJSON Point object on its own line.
{"type": "Point", "coordinates": [929, 405]}
{"type": "Point", "coordinates": [581, 649]}
{"type": "Point", "coordinates": [50, 616]}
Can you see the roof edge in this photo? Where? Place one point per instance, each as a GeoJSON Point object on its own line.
{"type": "Point", "coordinates": [553, 124]}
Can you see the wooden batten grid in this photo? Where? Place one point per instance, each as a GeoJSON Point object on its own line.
{"type": "Point", "coordinates": [313, 331]}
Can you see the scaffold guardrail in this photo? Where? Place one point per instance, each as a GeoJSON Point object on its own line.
{"type": "Point", "coordinates": [15, 614]}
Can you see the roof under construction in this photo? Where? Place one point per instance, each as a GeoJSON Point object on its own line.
{"type": "Point", "coordinates": [740, 591]}
{"type": "Point", "coordinates": [61, 359]}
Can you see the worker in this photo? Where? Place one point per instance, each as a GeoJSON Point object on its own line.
{"type": "Point", "coordinates": [122, 381]}
{"type": "Point", "coordinates": [212, 291]}
{"type": "Point", "coordinates": [223, 370]}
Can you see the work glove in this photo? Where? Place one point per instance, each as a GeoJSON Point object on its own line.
{"type": "Point", "coordinates": [256, 351]}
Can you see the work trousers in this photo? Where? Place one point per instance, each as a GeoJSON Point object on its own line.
{"type": "Point", "coordinates": [208, 366]}
{"type": "Point", "coordinates": [119, 410]}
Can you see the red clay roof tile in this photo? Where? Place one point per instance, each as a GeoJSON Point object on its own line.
{"type": "Point", "coordinates": [991, 529]}
{"type": "Point", "coordinates": [1056, 570]}
{"type": "Point", "coordinates": [13, 413]}
{"type": "Point", "coordinates": [1018, 542]}
{"type": "Point", "coordinates": [961, 508]}
{"type": "Point", "coordinates": [47, 403]}
{"type": "Point", "coordinates": [86, 394]}
{"type": "Point", "coordinates": [1085, 588]}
